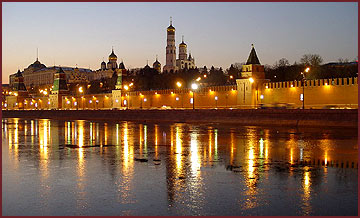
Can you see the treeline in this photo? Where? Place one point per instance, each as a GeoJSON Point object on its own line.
{"type": "Point", "coordinates": [283, 71]}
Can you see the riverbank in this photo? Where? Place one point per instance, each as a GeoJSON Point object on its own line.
{"type": "Point", "coordinates": [267, 117]}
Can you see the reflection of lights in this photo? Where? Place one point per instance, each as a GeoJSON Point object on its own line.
{"type": "Point", "coordinates": [195, 162]}
{"type": "Point", "coordinates": [301, 154]}
{"type": "Point", "coordinates": [117, 134]}
{"type": "Point", "coordinates": [145, 139]}
{"type": "Point", "coordinates": [126, 146]}
{"type": "Point", "coordinates": [216, 143]}
{"type": "Point", "coordinates": [81, 133]}
{"type": "Point", "coordinates": [232, 147]}
{"type": "Point", "coordinates": [156, 140]}
{"type": "Point", "coordinates": [178, 143]}
{"type": "Point", "coordinates": [261, 144]}
{"type": "Point", "coordinates": [292, 156]}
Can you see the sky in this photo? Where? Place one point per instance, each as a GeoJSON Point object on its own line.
{"type": "Point", "coordinates": [217, 33]}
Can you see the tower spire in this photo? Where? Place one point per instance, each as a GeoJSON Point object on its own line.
{"type": "Point", "coordinates": [182, 38]}
{"type": "Point", "coordinates": [37, 54]}
{"type": "Point", "coordinates": [112, 49]}
{"type": "Point", "coordinates": [156, 57]}
{"type": "Point", "coordinates": [170, 20]}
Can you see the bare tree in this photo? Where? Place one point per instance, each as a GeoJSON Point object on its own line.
{"type": "Point", "coordinates": [311, 60]}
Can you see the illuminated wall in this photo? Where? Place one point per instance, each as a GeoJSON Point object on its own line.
{"type": "Point", "coordinates": [211, 97]}
{"type": "Point", "coordinates": [318, 93]}
{"type": "Point", "coordinates": [341, 92]}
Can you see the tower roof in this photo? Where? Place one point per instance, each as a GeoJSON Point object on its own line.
{"type": "Point", "coordinates": [171, 26]}
{"type": "Point", "coordinates": [183, 43]}
{"type": "Point", "coordinates": [253, 59]}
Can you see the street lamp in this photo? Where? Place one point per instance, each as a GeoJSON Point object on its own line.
{"type": "Point", "coordinates": [304, 80]}
{"type": "Point", "coordinates": [194, 86]}
{"type": "Point", "coordinates": [179, 84]}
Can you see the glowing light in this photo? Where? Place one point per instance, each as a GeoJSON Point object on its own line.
{"type": "Point", "coordinates": [266, 87]}
{"type": "Point", "coordinates": [307, 69]}
{"type": "Point", "coordinates": [251, 80]}
{"type": "Point", "coordinates": [194, 86]}
{"type": "Point", "coordinates": [177, 98]}
{"type": "Point", "coordinates": [126, 87]}
{"type": "Point", "coordinates": [145, 99]}
{"type": "Point", "coordinates": [231, 77]}
{"type": "Point", "coordinates": [198, 79]}
{"type": "Point", "coordinates": [81, 89]}
{"type": "Point", "coordinates": [216, 98]}
{"type": "Point", "coordinates": [90, 101]}
{"type": "Point", "coordinates": [178, 84]}
{"type": "Point", "coordinates": [261, 96]}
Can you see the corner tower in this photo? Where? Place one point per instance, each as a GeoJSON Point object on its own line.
{"type": "Point", "coordinates": [170, 49]}
{"type": "Point", "coordinates": [253, 68]}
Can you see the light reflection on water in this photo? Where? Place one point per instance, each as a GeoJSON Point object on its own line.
{"type": "Point", "coordinates": [126, 168]}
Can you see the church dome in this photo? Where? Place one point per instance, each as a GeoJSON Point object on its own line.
{"type": "Point", "coordinates": [121, 65]}
{"type": "Point", "coordinates": [112, 56]}
{"type": "Point", "coordinates": [37, 64]}
{"type": "Point", "coordinates": [171, 28]}
{"type": "Point", "coordinates": [182, 44]}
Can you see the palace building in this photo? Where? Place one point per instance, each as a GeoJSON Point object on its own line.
{"type": "Point", "coordinates": [37, 74]}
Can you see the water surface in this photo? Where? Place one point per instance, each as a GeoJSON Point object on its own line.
{"type": "Point", "coordinates": [79, 167]}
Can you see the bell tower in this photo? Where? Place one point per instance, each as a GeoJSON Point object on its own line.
{"type": "Point", "coordinates": [170, 49]}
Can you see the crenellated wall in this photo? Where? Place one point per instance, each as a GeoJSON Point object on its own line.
{"type": "Point", "coordinates": [341, 92]}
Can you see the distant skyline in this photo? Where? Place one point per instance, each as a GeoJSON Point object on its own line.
{"type": "Point", "coordinates": [217, 34]}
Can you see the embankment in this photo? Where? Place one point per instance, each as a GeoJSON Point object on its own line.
{"type": "Point", "coordinates": [267, 117]}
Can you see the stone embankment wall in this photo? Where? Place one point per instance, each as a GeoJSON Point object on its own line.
{"type": "Point", "coordinates": [266, 117]}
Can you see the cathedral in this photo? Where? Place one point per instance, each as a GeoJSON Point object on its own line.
{"type": "Point", "coordinates": [107, 70]}
{"type": "Point", "coordinates": [184, 61]}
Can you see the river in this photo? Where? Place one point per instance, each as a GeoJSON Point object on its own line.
{"type": "Point", "coordinates": [78, 167]}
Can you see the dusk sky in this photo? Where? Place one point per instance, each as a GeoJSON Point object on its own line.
{"type": "Point", "coordinates": [217, 34]}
